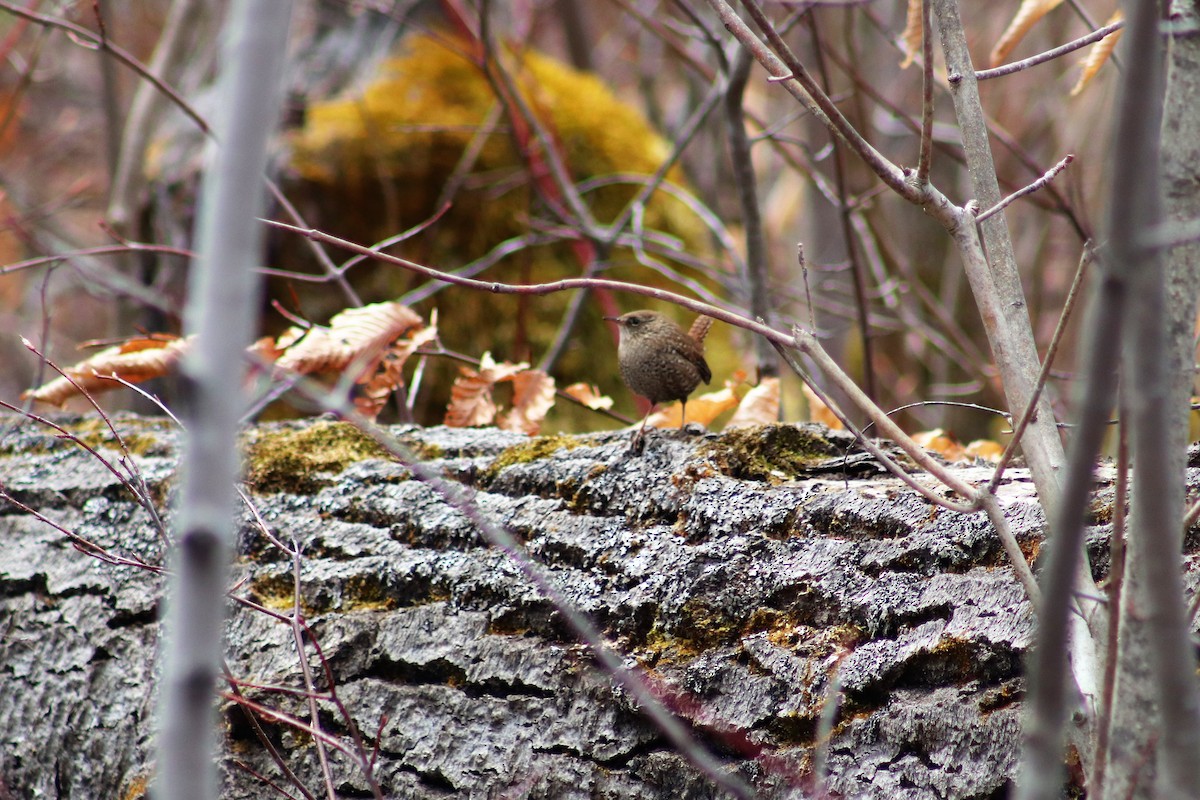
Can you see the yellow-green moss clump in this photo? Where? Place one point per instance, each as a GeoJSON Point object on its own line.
{"type": "Point", "coordinates": [536, 448]}
{"type": "Point", "coordinates": [771, 453]}
{"type": "Point", "coordinates": [301, 461]}
{"type": "Point", "coordinates": [96, 434]}
{"type": "Point", "coordinates": [430, 104]}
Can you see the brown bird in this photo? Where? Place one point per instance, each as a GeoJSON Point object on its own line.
{"type": "Point", "coordinates": [659, 361]}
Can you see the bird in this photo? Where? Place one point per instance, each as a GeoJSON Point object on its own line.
{"type": "Point", "coordinates": [659, 360]}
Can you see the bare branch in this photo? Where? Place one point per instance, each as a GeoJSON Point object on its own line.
{"type": "Point", "coordinates": [1030, 189]}
{"type": "Point", "coordinates": [1049, 55]}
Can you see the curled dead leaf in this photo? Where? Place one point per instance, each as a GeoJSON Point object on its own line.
{"type": "Point", "coordinates": [388, 375]}
{"type": "Point", "coordinates": [913, 33]}
{"type": "Point", "coordinates": [760, 406]}
{"type": "Point", "coordinates": [533, 396]}
{"type": "Point", "coordinates": [1028, 15]}
{"type": "Point", "coordinates": [134, 361]}
{"type": "Point", "coordinates": [703, 409]}
{"type": "Point", "coordinates": [471, 402]}
{"type": "Point", "coordinates": [589, 395]}
{"type": "Point", "coordinates": [354, 335]}
{"type": "Point", "coordinates": [819, 412]}
{"type": "Point", "coordinates": [1099, 54]}
{"type": "Point", "coordinates": [939, 442]}
{"type": "Point", "coordinates": [986, 449]}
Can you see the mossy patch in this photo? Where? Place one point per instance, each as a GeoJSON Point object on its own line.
{"type": "Point", "coordinates": [699, 626]}
{"type": "Point", "coordinates": [96, 434]}
{"type": "Point", "coordinates": [772, 453]}
{"type": "Point", "coordinates": [302, 461]}
{"type": "Point", "coordinates": [535, 449]}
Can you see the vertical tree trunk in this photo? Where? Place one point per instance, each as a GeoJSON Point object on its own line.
{"type": "Point", "coordinates": [1137, 768]}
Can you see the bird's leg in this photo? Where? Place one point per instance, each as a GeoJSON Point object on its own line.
{"type": "Point", "coordinates": [636, 443]}
{"type": "Point", "coordinates": [682, 413]}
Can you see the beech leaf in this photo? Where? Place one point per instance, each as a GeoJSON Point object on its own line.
{"type": "Point", "coordinates": [356, 334]}
{"type": "Point", "coordinates": [134, 361]}
{"type": "Point", "coordinates": [1099, 54]}
{"type": "Point", "coordinates": [939, 442]}
{"type": "Point", "coordinates": [985, 449]}
{"type": "Point", "coordinates": [589, 395]}
{"type": "Point", "coordinates": [1028, 15]}
{"type": "Point", "coordinates": [760, 406]}
{"type": "Point", "coordinates": [471, 400]}
{"type": "Point", "coordinates": [703, 409]}
{"type": "Point", "coordinates": [533, 396]}
{"type": "Point", "coordinates": [910, 39]}
{"type": "Point", "coordinates": [819, 412]}
{"type": "Point", "coordinates": [388, 375]}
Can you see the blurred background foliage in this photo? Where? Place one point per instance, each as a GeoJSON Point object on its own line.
{"type": "Point", "coordinates": [391, 117]}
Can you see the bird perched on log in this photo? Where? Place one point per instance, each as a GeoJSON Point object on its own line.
{"type": "Point", "coordinates": [660, 361]}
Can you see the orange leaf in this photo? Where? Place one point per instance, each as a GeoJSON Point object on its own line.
{"type": "Point", "coordinates": [388, 375]}
{"type": "Point", "coordinates": [703, 409]}
{"type": "Point", "coordinates": [471, 401]}
{"type": "Point", "coordinates": [1099, 54]}
{"type": "Point", "coordinates": [134, 361]}
{"type": "Point", "coordinates": [533, 395]}
{"type": "Point", "coordinates": [819, 412]}
{"type": "Point", "coordinates": [937, 441]}
{"type": "Point", "coordinates": [913, 33]}
{"type": "Point", "coordinates": [1028, 15]}
{"type": "Point", "coordinates": [760, 406]}
{"type": "Point", "coordinates": [589, 395]}
{"type": "Point", "coordinates": [985, 449]}
{"type": "Point", "coordinates": [356, 334]}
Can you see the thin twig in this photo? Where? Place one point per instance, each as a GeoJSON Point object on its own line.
{"type": "Point", "coordinates": [1050, 175]}
{"type": "Point", "coordinates": [1049, 55]}
{"type": "Point", "coordinates": [887, 462]}
{"type": "Point", "coordinates": [1011, 547]}
{"type": "Point", "coordinates": [1116, 580]}
{"type": "Point", "coordinates": [925, 157]}
{"type": "Point", "coordinates": [28, 263]}
{"type": "Point", "coordinates": [83, 36]}
{"type": "Point", "coordinates": [314, 712]}
{"type": "Point", "coordinates": [858, 282]}
{"type": "Point", "coordinates": [272, 750]}
{"type": "Point", "coordinates": [1085, 259]}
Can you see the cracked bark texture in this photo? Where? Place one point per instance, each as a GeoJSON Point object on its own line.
{"type": "Point", "coordinates": [741, 571]}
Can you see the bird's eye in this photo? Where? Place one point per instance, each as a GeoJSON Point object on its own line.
{"type": "Point", "coordinates": [635, 322]}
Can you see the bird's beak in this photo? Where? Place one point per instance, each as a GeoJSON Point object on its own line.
{"type": "Point", "coordinates": [614, 319]}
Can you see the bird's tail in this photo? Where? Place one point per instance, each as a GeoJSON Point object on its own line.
{"type": "Point", "coordinates": [700, 328]}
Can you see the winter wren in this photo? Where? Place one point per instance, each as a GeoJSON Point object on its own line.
{"type": "Point", "coordinates": [659, 360]}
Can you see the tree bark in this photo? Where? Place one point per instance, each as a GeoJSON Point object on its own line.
{"type": "Point", "coordinates": [744, 574]}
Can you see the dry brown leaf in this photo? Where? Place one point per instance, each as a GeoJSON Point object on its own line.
{"type": "Point", "coordinates": [1099, 53]}
{"type": "Point", "coordinates": [589, 395]}
{"type": "Point", "coordinates": [911, 38]}
{"type": "Point", "coordinates": [760, 406]}
{"type": "Point", "coordinates": [938, 442]}
{"type": "Point", "coordinates": [703, 409]}
{"type": "Point", "coordinates": [266, 348]}
{"type": "Point", "coordinates": [471, 400]}
{"type": "Point", "coordinates": [1028, 15]}
{"type": "Point", "coordinates": [819, 412]}
{"type": "Point", "coordinates": [388, 375]}
{"type": "Point", "coordinates": [134, 361]}
{"type": "Point", "coordinates": [356, 334]}
{"type": "Point", "coordinates": [985, 449]}
{"type": "Point", "coordinates": [533, 395]}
